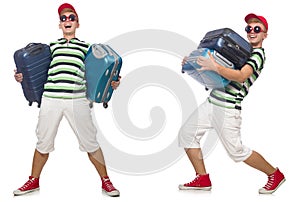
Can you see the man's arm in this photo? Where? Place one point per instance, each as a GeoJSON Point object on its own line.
{"type": "Point", "coordinates": [234, 74]}
{"type": "Point", "coordinates": [231, 74]}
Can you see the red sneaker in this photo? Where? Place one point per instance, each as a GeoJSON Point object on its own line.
{"type": "Point", "coordinates": [274, 181]}
{"type": "Point", "coordinates": [30, 186]}
{"type": "Point", "coordinates": [109, 188]}
{"type": "Point", "coordinates": [201, 182]}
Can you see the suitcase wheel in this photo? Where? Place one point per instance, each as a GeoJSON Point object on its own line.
{"type": "Point", "coordinates": [30, 103]}
{"type": "Point", "coordinates": [105, 105]}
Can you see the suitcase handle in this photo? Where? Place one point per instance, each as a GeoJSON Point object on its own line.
{"type": "Point", "coordinates": [99, 52]}
{"type": "Point", "coordinates": [223, 59]}
{"type": "Point", "coordinates": [218, 56]}
{"type": "Point", "coordinates": [34, 48]}
{"type": "Point", "coordinates": [109, 50]}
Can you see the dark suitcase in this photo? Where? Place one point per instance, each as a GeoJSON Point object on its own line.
{"type": "Point", "coordinates": [33, 62]}
{"type": "Point", "coordinates": [102, 66]}
{"type": "Point", "coordinates": [228, 43]}
{"type": "Point", "coordinates": [209, 79]}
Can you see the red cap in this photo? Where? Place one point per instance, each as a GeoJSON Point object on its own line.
{"type": "Point", "coordinates": [261, 18]}
{"type": "Point", "coordinates": [64, 6]}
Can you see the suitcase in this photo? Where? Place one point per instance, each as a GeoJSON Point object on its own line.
{"type": "Point", "coordinates": [209, 79]}
{"type": "Point", "coordinates": [102, 65]}
{"type": "Point", "coordinates": [228, 43]}
{"type": "Point", "coordinates": [33, 62]}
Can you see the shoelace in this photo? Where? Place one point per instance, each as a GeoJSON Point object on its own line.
{"type": "Point", "coordinates": [270, 182]}
{"type": "Point", "coordinates": [109, 185]}
{"type": "Point", "coordinates": [27, 184]}
{"type": "Point", "coordinates": [196, 179]}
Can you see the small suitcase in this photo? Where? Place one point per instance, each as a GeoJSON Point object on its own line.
{"type": "Point", "coordinates": [33, 62]}
{"type": "Point", "coordinates": [102, 66]}
{"type": "Point", "coordinates": [209, 79]}
{"type": "Point", "coordinates": [228, 43]}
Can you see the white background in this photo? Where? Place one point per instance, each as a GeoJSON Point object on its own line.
{"type": "Point", "coordinates": [270, 114]}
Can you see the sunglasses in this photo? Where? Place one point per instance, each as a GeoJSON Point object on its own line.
{"type": "Point", "coordinates": [64, 18]}
{"type": "Point", "coordinates": [256, 29]}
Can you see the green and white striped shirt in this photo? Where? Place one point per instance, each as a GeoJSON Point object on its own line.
{"type": "Point", "coordinates": [234, 93]}
{"type": "Point", "coordinates": [66, 77]}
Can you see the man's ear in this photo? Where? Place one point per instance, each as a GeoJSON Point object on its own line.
{"type": "Point", "coordinates": [77, 25]}
{"type": "Point", "coordinates": [59, 25]}
{"type": "Point", "coordinates": [265, 35]}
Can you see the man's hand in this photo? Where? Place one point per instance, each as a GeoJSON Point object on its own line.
{"type": "Point", "coordinates": [115, 84]}
{"type": "Point", "coordinates": [184, 61]}
{"type": "Point", "coordinates": [18, 76]}
{"type": "Point", "coordinates": [207, 63]}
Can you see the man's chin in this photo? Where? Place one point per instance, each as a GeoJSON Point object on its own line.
{"type": "Point", "coordinates": [254, 43]}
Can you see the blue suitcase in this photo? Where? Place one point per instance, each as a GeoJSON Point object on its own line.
{"type": "Point", "coordinates": [33, 62]}
{"type": "Point", "coordinates": [102, 66]}
{"type": "Point", "coordinates": [228, 43]}
{"type": "Point", "coordinates": [209, 79]}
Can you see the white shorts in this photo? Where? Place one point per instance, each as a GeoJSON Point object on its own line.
{"type": "Point", "coordinates": [78, 114]}
{"type": "Point", "coordinates": [225, 122]}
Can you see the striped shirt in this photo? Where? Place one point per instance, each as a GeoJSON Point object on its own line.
{"type": "Point", "coordinates": [66, 77]}
{"type": "Point", "coordinates": [234, 93]}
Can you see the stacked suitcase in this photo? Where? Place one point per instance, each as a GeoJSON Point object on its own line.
{"type": "Point", "coordinates": [230, 50]}
{"type": "Point", "coordinates": [102, 66]}
{"type": "Point", "coordinates": [209, 79]}
{"type": "Point", "coordinates": [228, 43]}
{"type": "Point", "coordinates": [33, 62]}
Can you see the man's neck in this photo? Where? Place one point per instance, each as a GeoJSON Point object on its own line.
{"type": "Point", "coordinates": [69, 37]}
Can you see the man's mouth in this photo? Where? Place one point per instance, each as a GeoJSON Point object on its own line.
{"type": "Point", "coordinates": [68, 26]}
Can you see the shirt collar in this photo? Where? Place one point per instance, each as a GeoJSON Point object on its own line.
{"type": "Point", "coordinates": [66, 40]}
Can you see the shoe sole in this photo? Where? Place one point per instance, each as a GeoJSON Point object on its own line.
{"type": "Point", "coordinates": [272, 191]}
{"type": "Point", "coordinates": [20, 193]}
{"type": "Point", "coordinates": [182, 187]}
{"type": "Point", "coordinates": [112, 194]}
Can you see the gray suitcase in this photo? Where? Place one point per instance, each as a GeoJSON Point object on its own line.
{"type": "Point", "coordinates": [209, 79]}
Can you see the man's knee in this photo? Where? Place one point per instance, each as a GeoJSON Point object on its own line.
{"type": "Point", "coordinates": [239, 154]}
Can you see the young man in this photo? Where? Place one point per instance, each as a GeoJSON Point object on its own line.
{"type": "Point", "coordinates": [65, 96]}
{"type": "Point", "coordinates": [222, 112]}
